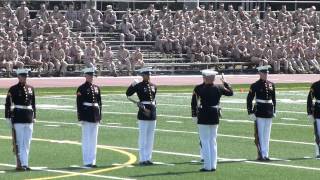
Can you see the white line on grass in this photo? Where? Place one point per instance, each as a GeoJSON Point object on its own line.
{"type": "Point", "coordinates": [223, 108]}
{"type": "Point", "coordinates": [52, 125]}
{"type": "Point", "coordinates": [119, 124]}
{"type": "Point", "coordinates": [162, 163]}
{"type": "Point", "coordinates": [189, 118]}
{"type": "Point", "coordinates": [228, 159]}
{"type": "Point", "coordinates": [188, 106]}
{"type": "Point", "coordinates": [283, 165]}
{"type": "Point", "coordinates": [117, 164]}
{"type": "Point", "coordinates": [182, 105]}
{"type": "Point", "coordinates": [289, 119]}
{"type": "Point", "coordinates": [186, 132]}
{"type": "Point", "coordinates": [70, 172]}
{"type": "Point", "coordinates": [177, 122]}
{"type": "Point", "coordinates": [198, 156]}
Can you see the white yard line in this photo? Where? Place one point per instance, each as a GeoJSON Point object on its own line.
{"type": "Point", "coordinates": [289, 119]}
{"type": "Point", "coordinates": [220, 159]}
{"type": "Point", "coordinates": [70, 172]}
{"type": "Point", "coordinates": [186, 132]}
{"type": "Point", "coordinates": [283, 165]}
{"type": "Point", "coordinates": [176, 122]}
{"type": "Point", "coordinates": [189, 118]}
{"type": "Point", "coordinates": [51, 125]}
{"type": "Point", "coordinates": [119, 124]}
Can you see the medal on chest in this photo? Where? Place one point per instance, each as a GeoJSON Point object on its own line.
{"type": "Point", "coordinates": [30, 91]}
{"type": "Point", "coordinates": [153, 89]}
{"type": "Point", "coordinates": [96, 90]}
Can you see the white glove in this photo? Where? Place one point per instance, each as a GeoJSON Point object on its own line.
{"type": "Point", "coordinates": [311, 118]}
{"type": "Point", "coordinates": [135, 82]}
{"type": "Point", "coordinates": [252, 117]}
{"type": "Point", "coordinates": [195, 119]}
{"type": "Point", "coordinates": [140, 105]}
{"type": "Point", "coordinates": [222, 78]}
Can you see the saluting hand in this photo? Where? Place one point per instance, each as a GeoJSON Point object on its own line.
{"type": "Point", "coordinates": [222, 78]}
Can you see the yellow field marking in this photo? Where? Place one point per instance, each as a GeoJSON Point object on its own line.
{"type": "Point", "coordinates": [132, 158]}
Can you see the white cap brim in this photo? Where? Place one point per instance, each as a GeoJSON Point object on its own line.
{"type": "Point", "coordinates": [209, 72]}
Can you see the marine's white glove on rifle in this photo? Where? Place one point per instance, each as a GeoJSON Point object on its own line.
{"type": "Point", "coordinates": [195, 119]}
{"type": "Point", "coordinates": [140, 105]}
{"type": "Point", "coordinates": [252, 117]}
{"type": "Point", "coordinates": [311, 118]}
{"type": "Point", "coordinates": [135, 82]}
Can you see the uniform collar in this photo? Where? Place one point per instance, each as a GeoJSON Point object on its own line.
{"type": "Point", "coordinates": [263, 80]}
{"type": "Point", "coordinates": [89, 83]}
{"type": "Point", "coordinates": [211, 84]}
{"type": "Point", "coordinates": [22, 84]}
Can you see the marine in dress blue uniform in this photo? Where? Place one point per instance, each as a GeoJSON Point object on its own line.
{"type": "Point", "coordinates": [205, 107]}
{"type": "Point", "coordinates": [89, 107]}
{"type": "Point", "coordinates": [20, 112]}
{"type": "Point", "coordinates": [263, 111]}
{"type": "Point", "coordinates": [146, 92]}
{"type": "Point", "coordinates": [313, 110]}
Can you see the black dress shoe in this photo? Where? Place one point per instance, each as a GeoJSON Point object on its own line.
{"type": "Point", "coordinates": [142, 163]}
{"type": "Point", "coordinates": [260, 159]}
{"type": "Point", "coordinates": [21, 168]}
{"type": "Point", "coordinates": [88, 165]}
{"type": "Point", "coordinates": [94, 166]}
{"type": "Point", "coordinates": [318, 157]}
{"type": "Point", "coordinates": [27, 168]}
{"type": "Point", "coordinates": [266, 158]}
{"type": "Point", "coordinates": [205, 170]}
{"type": "Point", "coordinates": [148, 162]}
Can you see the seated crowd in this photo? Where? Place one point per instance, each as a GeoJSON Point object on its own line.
{"type": "Point", "coordinates": [52, 42]}
{"type": "Point", "coordinates": [288, 41]}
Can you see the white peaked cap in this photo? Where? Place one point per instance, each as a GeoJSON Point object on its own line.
{"type": "Point", "coordinates": [209, 72]}
{"type": "Point", "coordinates": [22, 71]}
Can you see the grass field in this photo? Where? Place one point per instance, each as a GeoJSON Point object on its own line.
{"type": "Point", "coordinates": [57, 135]}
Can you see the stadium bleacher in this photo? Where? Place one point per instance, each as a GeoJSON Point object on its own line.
{"type": "Point", "coordinates": [173, 55]}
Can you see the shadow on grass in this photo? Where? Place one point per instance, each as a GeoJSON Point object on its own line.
{"type": "Point", "coordinates": [168, 173]}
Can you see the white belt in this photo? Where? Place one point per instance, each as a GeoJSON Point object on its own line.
{"type": "Point", "coordinates": [90, 104]}
{"type": "Point", "coordinates": [216, 106]}
{"type": "Point", "coordinates": [148, 102]}
{"type": "Point", "coordinates": [22, 107]}
{"type": "Point", "coordinates": [263, 101]}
